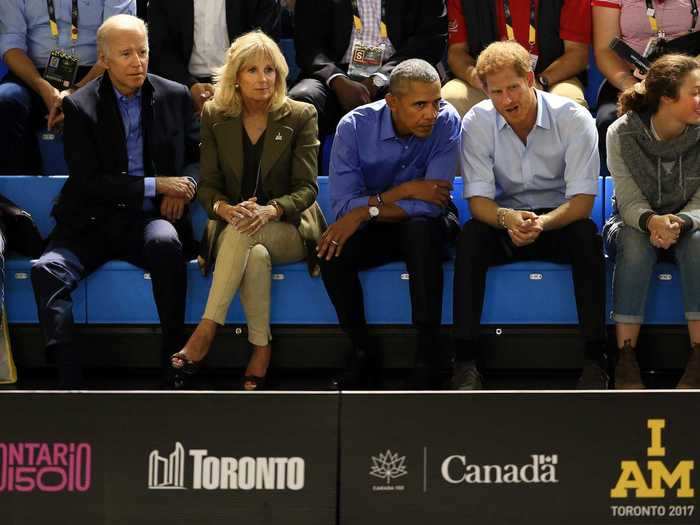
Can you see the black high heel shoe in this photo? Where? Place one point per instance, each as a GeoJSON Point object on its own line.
{"type": "Point", "coordinates": [181, 376]}
{"type": "Point", "coordinates": [255, 382]}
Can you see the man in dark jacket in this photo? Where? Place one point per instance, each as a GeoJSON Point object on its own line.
{"type": "Point", "coordinates": [346, 49]}
{"type": "Point", "coordinates": [189, 38]}
{"type": "Point", "coordinates": [126, 197]}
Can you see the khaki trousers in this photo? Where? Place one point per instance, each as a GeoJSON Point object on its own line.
{"type": "Point", "coordinates": [245, 261]}
{"type": "Point", "coordinates": [463, 96]}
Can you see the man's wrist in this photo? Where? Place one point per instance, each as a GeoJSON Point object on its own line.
{"type": "Point", "coordinates": [360, 214]}
{"type": "Point", "coordinates": [502, 217]}
{"type": "Point", "coordinates": [333, 82]}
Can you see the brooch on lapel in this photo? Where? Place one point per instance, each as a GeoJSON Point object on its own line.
{"type": "Point", "coordinates": [278, 137]}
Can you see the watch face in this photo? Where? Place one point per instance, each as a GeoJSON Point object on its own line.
{"type": "Point", "coordinates": [373, 211]}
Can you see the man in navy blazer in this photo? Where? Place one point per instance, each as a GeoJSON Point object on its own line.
{"type": "Point", "coordinates": [126, 197]}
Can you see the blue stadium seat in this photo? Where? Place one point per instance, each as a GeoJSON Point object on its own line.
{"type": "Point", "coordinates": [102, 297]}
{"type": "Point", "coordinates": [665, 299]}
{"type": "Point", "coordinates": [36, 195]}
{"type": "Point", "coordinates": [3, 70]}
{"type": "Point", "coordinates": [595, 79]}
{"type": "Point", "coordinates": [326, 146]}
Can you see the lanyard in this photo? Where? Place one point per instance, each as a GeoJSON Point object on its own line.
{"type": "Point", "coordinates": [73, 20]}
{"type": "Point", "coordinates": [509, 23]}
{"type": "Point", "coordinates": [357, 21]}
{"type": "Point", "coordinates": [651, 16]}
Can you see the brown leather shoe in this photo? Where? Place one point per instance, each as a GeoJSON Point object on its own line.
{"type": "Point", "coordinates": [627, 375]}
{"type": "Point", "coordinates": [691, 376]}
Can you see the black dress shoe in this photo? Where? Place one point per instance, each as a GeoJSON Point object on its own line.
{"type": "Point", "coordinates": [593, 376]}
{"type": "Point", "coordinates": [360, 370]}
{"type": "Point", "coordinates": [466, 376]}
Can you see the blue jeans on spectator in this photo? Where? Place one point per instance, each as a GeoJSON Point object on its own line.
{"type": "Point", "coordinates": [635, 258]}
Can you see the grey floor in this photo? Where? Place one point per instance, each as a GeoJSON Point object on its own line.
{"type": "Point", "coordinates": [304, 379]}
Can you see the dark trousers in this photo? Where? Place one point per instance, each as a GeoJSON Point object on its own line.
{"type": "Point", "coordinates": [421, 243]}
{"type": "Point", "coordinates": [481, 246]}
{"type": "Point", "coordinates": [148, 242]}
{"type": "Point", "coordinates": [324, 100]}
{"type": "Point", "coordinates": [606, 114]}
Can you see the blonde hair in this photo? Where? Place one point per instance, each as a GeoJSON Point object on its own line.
{"type": "Point", "coordinates": [118, 22]}
{"type": "Point", "coordinates": [503, 55]}
{"type": "Point", "coordinates": [247, 47]}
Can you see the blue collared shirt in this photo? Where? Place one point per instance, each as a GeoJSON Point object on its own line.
{"type": "Point", "coordinates": [130, 109]}
{"type": "Point", "coordinates": [368, 158]}
{"type": "Point", "coordinates": [24, 24]}
{"type": "Point", "coordinates": [559, 161]}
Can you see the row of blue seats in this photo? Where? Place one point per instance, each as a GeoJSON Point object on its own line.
{"type": "Point", "coordinates": [119, 293]}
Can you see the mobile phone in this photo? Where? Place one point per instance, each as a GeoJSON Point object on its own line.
{"type": "Point", "coordinates": [628, 54]}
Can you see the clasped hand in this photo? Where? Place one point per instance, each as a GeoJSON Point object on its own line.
{"type": "Point", "coordinates": [524, 227]}
{"type": "Point", "coordinates": [664, 230]}
{"type": "Point", "coordinates": [247, 216]}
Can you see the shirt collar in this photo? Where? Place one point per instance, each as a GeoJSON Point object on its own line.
{"type": "Point", "coordinates": [123, 99]}
{"type": "Point", "coordinates": [543, 119]}
{"type": "Point", "coordinates": [386, 129]}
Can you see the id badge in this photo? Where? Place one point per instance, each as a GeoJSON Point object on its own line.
{"type": "Point", "coordinates": [61, 69]}
{"type": "Point", "coordinates": [533, 60]}
{"type": "Point", "coordinates": [365, 59]}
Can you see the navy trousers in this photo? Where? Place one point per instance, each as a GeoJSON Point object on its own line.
{"type": "Point", "coordinates": [148, 242]}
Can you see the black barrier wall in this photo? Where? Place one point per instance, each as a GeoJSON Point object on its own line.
{"type": "Point", "coordinates": [520, 458]}
{"type": "Point", "coordinates": [140, 458]}
{"type": "Point", "coordinates": [486, 458]}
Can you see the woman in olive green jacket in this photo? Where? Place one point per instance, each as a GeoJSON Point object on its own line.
{"type": "Point", "coordinates": [258, 168]}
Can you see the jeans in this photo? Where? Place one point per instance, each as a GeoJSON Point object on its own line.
{"type": "Point", "coordinates": [635, 258]}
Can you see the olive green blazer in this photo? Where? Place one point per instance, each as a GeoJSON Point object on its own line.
{"type": "Point", "coordinates": [288, 169]}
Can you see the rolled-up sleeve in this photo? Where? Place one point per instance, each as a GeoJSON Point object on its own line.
{"type": "Point", "coordinates": [442, 164]}
{"type": "Point", "coordinates": [582, 158]}
{"type": "Point", "coordinates": [118, 7]}
{"type": "Point", "coordinates": [476, 156]}
{"type": "Point", "coordinates": [13, 28]}
{"type": "Point", "coordinates": [347, 186]}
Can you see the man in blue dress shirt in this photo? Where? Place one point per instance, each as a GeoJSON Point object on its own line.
{"type": "Point", "coordinates": [27, 38]}
{"type": "Point", "coordinates": [391, 171]}
{"type": "Point", "coordinates": [530, 165]}
{"type": "Point", "coordinates": [126, 196]}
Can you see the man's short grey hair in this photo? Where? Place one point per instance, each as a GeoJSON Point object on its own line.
{"type": "Point", "coordinates": [118, 22]}
{"type": "Point", "coordinates": [412, 70]}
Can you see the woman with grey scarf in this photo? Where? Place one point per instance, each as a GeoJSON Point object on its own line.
{"type": "Point", "coordinates": [654, 158]}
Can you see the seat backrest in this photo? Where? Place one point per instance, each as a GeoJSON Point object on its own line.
{"type": "Point", "coordinates": [609, 194]}
{"type": "Point", "coordinates": [34, 194]}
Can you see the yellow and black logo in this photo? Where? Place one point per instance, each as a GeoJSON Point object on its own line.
{"type": "Point", "coordinates": [636, 482]}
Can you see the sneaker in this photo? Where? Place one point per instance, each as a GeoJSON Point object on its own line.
{"type": "Point", "coordinates": [627, 374]}
{"type": "Point", "coordinates": [466, 376]}
{"type": "Point", "coordinates": [593, 376]}
{"type": "Point", "coordinates": [691, 376]}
